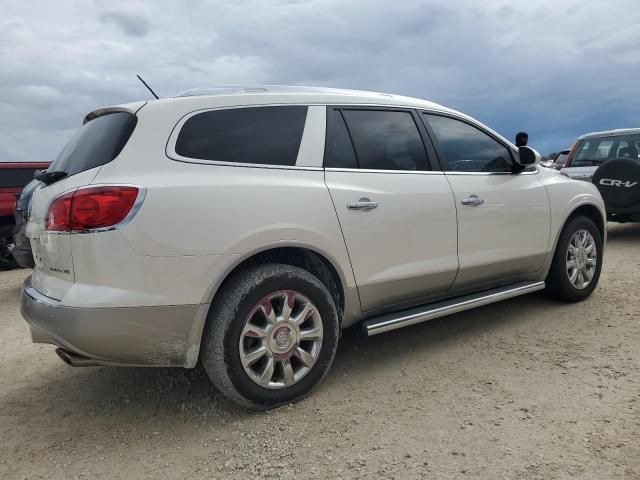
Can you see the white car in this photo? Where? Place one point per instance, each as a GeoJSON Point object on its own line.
{"type": "Point", "coordinates": [245, 227]}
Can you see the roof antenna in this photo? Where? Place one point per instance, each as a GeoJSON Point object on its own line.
{"type": "Point", "coordinates": [148, 87]}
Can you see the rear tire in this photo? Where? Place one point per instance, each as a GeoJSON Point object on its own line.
{"type": "Point", "coordinates": [7, 262]}
{"type": "Point", "coordinates": [249, 319]}
{"type": "Point", "coordinates": [577, 261]}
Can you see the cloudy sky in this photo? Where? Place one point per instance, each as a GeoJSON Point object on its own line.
{"type": "Point", "coordinates": [555, 68]}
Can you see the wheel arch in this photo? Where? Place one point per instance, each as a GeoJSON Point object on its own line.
{"type": "Point", "coordinates": [300, 255]}
{"type": "Point", "coordinates": [587, 209]}
{"type": "Point", "coordinates": [592, 212]}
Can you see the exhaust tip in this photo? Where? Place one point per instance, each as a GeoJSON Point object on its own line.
{"type": "Point", "coordinates": [75, 360]}
{"type": "Point", "coordinates": [63, 354]}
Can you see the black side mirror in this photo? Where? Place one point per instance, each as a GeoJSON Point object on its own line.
{"type": "Point", "coordinates": [528, 157]}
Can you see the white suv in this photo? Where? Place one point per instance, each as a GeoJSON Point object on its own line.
{"type": "Point", "coordinates": [247, 227]}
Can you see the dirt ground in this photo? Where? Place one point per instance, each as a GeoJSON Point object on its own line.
{"type": "Point", "coordinates": [528, 388]}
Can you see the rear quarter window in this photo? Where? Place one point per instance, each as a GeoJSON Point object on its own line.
{"type": "Point", "coordinates": [98, 142]}
{"type": "Point", "coordinates": [252, 135]}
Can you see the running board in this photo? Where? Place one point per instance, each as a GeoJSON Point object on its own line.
{"type": "Point", "coordinates": [391, 321]}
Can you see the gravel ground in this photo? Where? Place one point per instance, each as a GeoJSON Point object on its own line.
{"type": "Point", "coordinates": [529, 388]}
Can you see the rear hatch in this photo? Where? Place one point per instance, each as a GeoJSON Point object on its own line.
{"type": "Point", "coordinates": [99, 141]}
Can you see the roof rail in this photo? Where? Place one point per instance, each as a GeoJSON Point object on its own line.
{"type": "Point", "coordinates": [249, 89]}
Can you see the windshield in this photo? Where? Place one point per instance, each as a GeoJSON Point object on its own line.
{"type": "Point", "coordinates": [96, 143]}
{"type": "Point", "coordinates": [561, 158]}
{"type": "Point", "coordinates": [593, 152]}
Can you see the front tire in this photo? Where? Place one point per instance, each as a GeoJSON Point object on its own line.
{"type": "Point", "coordinates": [271, 336]}
{"type": "Point", "coordinates": [577, 261]}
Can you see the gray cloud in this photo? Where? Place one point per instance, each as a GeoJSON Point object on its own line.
{"type": "Point", "coordinates": [131, 24]}
{"type": "Point", "coordinates": [556, 68]}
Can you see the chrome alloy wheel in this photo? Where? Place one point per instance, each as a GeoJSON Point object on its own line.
{"type": "Point", "coordinates": [582, 258]}
{"type": "Point", "coordinates": [281, 339]}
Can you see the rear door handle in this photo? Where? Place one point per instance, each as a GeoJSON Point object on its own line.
{"type": "Point", "coordinates": [473, 200]}
{"type": "Point", "coordinates": [362, 204]}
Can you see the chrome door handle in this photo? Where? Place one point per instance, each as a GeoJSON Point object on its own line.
{"type": "Point", "coordinates": [362, 204]}
{"type": "Point", "coordinates": [473, 200]}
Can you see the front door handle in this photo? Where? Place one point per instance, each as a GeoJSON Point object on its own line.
{"type": "Point", "coordinates": [473, 200]}
{"type": "Point", "coordinates": [362, 204]}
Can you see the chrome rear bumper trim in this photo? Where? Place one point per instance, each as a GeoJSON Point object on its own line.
{"type": "Point", "coordinates": [38, 297]}
{"type": "Point", "coordinates": [405, 318]}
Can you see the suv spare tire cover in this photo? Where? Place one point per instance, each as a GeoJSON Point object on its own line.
{"type": "Point", "coordinates": [618, 180]}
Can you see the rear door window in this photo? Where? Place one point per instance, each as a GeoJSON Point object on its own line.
{"type": "Point", "coordinates": [98, 142]}
{"type": "Point", "coordinates": [627, 147]}
{"type": "Point", "coordinates": [386, 140]}
{"type": "Point", "coordinates": [253, 135]}
{"type": "Point", "coordinates": [340, 153]}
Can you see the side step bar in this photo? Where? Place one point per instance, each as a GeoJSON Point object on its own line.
{"type": "Point", "coordinates": [391, 321]}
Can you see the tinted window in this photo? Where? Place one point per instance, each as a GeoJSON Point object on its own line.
{"type": "Point", "coordinates": [467, 149]}
{"type": "Point", "coordinates": [25, 196]}
{"type": "Point", "coordinates": [15, 177]}
{"type": "Point", "coordinates": [263, 135]}
{"type": "Point", "coordinates": [98, 142]}
{"type": "Point", "coordinates": [561, 158]}
{"type": "Point", "coordinates": [595, 151]}
{"type": "Point", "coordinates": [386, 140]}
{"type": "Point", "coordinates": [340, 154]}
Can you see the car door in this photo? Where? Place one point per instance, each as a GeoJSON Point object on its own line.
{"type": "Point", "coordinates": [397, 215]}
{"type": "Point", "coordinates": [503, 217]}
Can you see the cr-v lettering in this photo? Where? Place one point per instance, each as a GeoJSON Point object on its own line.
{"type": "Point", "coordinates": [617, 183]}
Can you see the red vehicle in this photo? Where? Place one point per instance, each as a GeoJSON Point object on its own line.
{"type": "Point", "coordinates": [13, 177]}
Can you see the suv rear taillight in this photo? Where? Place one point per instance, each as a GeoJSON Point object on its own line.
{"type": "Point", "coordinates": [91, 208]}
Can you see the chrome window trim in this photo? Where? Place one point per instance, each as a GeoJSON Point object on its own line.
{"type": "Point", "coordinates": [142, 192]}
{"type": "Point", "coordinates": [221, 163]}
{"type": "Point", "coordinates": [170, 148]}
{"type": "Point", "coordinates": [533, 172]}
{"type": "Point", "coordinates": [392, 172]}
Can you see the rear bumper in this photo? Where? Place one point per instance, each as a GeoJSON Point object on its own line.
{"type": "Point", "coordinates": [631, 210]}
{"type": "Point", "coordinates": [135, 336]}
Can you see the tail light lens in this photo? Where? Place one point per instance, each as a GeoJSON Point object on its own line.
{"type": "Point", "coordinates": [58, 214]}
{"type": "Point", "coordinates": [91, 208]}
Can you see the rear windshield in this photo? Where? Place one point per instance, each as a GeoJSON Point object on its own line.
{"type": "Point", "coordinates": [98, 142]}
{"type": "Point", "coordinates": [258, 135]}
{"type": "Point", "coordinates": [592, 152]}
